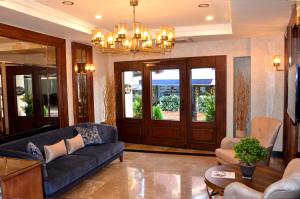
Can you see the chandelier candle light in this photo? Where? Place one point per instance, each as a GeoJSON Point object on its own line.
{"type": "Point", "coordinates": [140, 39]}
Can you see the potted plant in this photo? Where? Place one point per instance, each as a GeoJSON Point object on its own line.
{"type": "Point", "coordinates": [249, 151]}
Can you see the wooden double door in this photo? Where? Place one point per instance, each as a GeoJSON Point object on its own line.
{"type": "Point", "coordinates": [32, 97]}
{"type": "Point", "coordinates": [173, 102]}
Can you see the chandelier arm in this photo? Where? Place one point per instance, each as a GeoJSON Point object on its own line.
{"type": "Point", "coordinates": [133, 14]}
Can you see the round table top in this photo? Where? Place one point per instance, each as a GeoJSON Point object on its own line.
{"type": "Point", "coordinates": [263, 176]}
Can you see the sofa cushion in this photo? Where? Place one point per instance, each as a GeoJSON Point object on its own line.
{"type": "Point", "coordinates": [35, 151]}
{"type": "Point", "coordinates": [102, 152]}
{"type": "Point", "coordinates": [55, 150]}
{"type": "Point", "coordinates": [90, 136]}
{"type": "Point", "coordinates": [226, 156]}
{"type": "Point", "coordinates": [66, 169]}
{"type": "Point", "coordinates": [74, 144]}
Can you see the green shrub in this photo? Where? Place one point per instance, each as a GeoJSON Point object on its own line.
{"type": "Point", "coordinates": [45, 111]}
{"type": "Point", "coordinates": [200, 103]}
{"type": "Point", "coordinates": [156, 112]}
{"type": "Point", "coordinates": [28, 108]}
{"type": "Point", "coordinates": [169, 103]}
{"type": "Point", "coordinates": [137, 107]}
{"type": "Point", "coordinates": [249, 151]}
{"type": "Point", "coordinates": [209, 108]}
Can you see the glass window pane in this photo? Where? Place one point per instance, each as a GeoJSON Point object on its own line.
{"type": "Point", "coordinates": [49, 95]}
{"type": "Point", "coordinates": [165, 94]}
{"type": "Point", "coordinates": [23, 88]}
{"type": "Point", "coordinates": [132, 82]}
{"type": "Point", "coordinates": [203, 94]}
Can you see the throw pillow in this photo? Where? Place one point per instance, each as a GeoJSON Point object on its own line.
{"type": "Point", "coordinates": [54, 151]}
{"type": "Point", "coordinates": [74, 143]}
{"type": "Point", "coordinates": [89, 135]}
{"type": "Point", "coordinates": [36, 152]}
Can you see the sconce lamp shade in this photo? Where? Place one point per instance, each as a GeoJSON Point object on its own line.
{"type": "Point", "coordinates": [277, 62]}
{"type": "Point", "coordinates": [84, 68]}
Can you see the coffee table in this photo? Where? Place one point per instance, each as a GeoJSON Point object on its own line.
{"type": "Point", "coordinates": [262, 178]}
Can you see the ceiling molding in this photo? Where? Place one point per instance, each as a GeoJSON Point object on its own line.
{"type": "Point", "coordinates": [204, 30]}
{"type": "Point", "coordinates": [41, 11]}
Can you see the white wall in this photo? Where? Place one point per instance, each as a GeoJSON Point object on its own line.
{"type": "Point", "coordinates": [100, 61]}
{"type": "Point", "coordinates": [266, 83]}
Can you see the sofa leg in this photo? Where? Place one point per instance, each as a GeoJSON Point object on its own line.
{"type": "Point", "coordinates": [121, 158]}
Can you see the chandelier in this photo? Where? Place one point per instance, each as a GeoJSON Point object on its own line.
{"type": "Point", "coordinates": [138, 40]}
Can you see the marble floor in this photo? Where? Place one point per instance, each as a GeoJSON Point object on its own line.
{"type": "Point", "coordinates": [147, 176]}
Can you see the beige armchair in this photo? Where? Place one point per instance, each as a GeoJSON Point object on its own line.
{"type": "Point", "coordinates": [286, 188]}
{"type": "Point", "coordinates": [263, 128]}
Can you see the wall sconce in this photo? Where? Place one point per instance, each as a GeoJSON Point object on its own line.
{"type": "Point", "coordinates": [276, 62]}
{"type": "Point", "coordinates": [84, 68]}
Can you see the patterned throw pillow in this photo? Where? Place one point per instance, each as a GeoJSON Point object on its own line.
{"type": "Point", "coordinates": [36, 152]}
{"type": "Point", "coordinates": [90, 136]}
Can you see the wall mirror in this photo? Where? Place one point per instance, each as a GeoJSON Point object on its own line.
{"type": "Point", "coordinates": [29, 85]}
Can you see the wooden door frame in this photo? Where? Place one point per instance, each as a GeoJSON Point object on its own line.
{"type": "Point", "coordinates": [90, 85]}
{"type": "Point", "coordinates": [221, 100]}
{"type": "Point", "coordinates": [219, 63]}
{"type": "Point", "coordinates": [137, 125]}
{"type": "Point", "coordinates": [60, 45]}
{"type": "Point", "coordinates": [165, 65]}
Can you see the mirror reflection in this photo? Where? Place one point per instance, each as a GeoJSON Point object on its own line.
{"type": "Point", "coordinates": [28, 84]}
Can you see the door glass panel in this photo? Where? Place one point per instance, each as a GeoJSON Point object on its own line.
{"type": "Point", "coordinates": [132, 84]}
{"type": "Point", "coordinates": [165, 94]}
{"type": "Point", "coordinates": [82, 97]}
{"type": "Point", "coordinates": [23, 89]}
{"type": "Point", "coordinates": [203, 94]}
{"type": "Point", "coordinates": [49, 95]}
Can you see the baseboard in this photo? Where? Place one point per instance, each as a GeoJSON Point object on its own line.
{"type": "Point", "coordinates": [277, 154]}
{"type": "Point", "coordinates": [167, 152]}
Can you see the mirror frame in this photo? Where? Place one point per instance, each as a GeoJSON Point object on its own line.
{"type": "Point", "coordinates": [90, 85]}
{"type": "Point", "coordinates": [60, 44]}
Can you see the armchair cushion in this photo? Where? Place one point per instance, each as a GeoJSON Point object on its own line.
{"type": "Point", "coordinates": [226, 156]}
{"type": "Point", "coordinates": [292, 167]}
{"type": "Point", "coordinates": [229, 142]}
{"type": "Point", "coordinates": [238, 190]}
{"type": "Point", "coordinates": [288, 187]}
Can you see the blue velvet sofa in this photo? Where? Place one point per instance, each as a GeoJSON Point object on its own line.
{"type": "Point", "coordinates": [67, 171]}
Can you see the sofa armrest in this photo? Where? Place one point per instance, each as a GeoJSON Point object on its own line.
{"type": "Point", "coordinates": [16, 154]}
{"type": "Point", "coordinates": [238, 190]}
{"type": "Point", "coordinates": [229, 142]}
{"type": "Point", "coordinates": [109, 134]}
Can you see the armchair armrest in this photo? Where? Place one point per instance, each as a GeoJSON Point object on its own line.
{"type": "Point", "coordinates": [229, 142]}
{"type": "Point", "coordinates": [238, 190]}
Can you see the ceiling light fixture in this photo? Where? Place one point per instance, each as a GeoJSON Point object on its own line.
{"type": "Point", "coordinates": [203, 5]}
{"type": "Point", "coordinates": [98, 17]}
{"type": "Point", "coordinates": [68, 3]}
{"type": "Point", "coordinates": [140, 39]}
{"type": "Point", "coordinates": [209, 18]}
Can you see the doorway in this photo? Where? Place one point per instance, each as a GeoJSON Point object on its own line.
{"type": "Point", "coordinates": [174, 102]}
